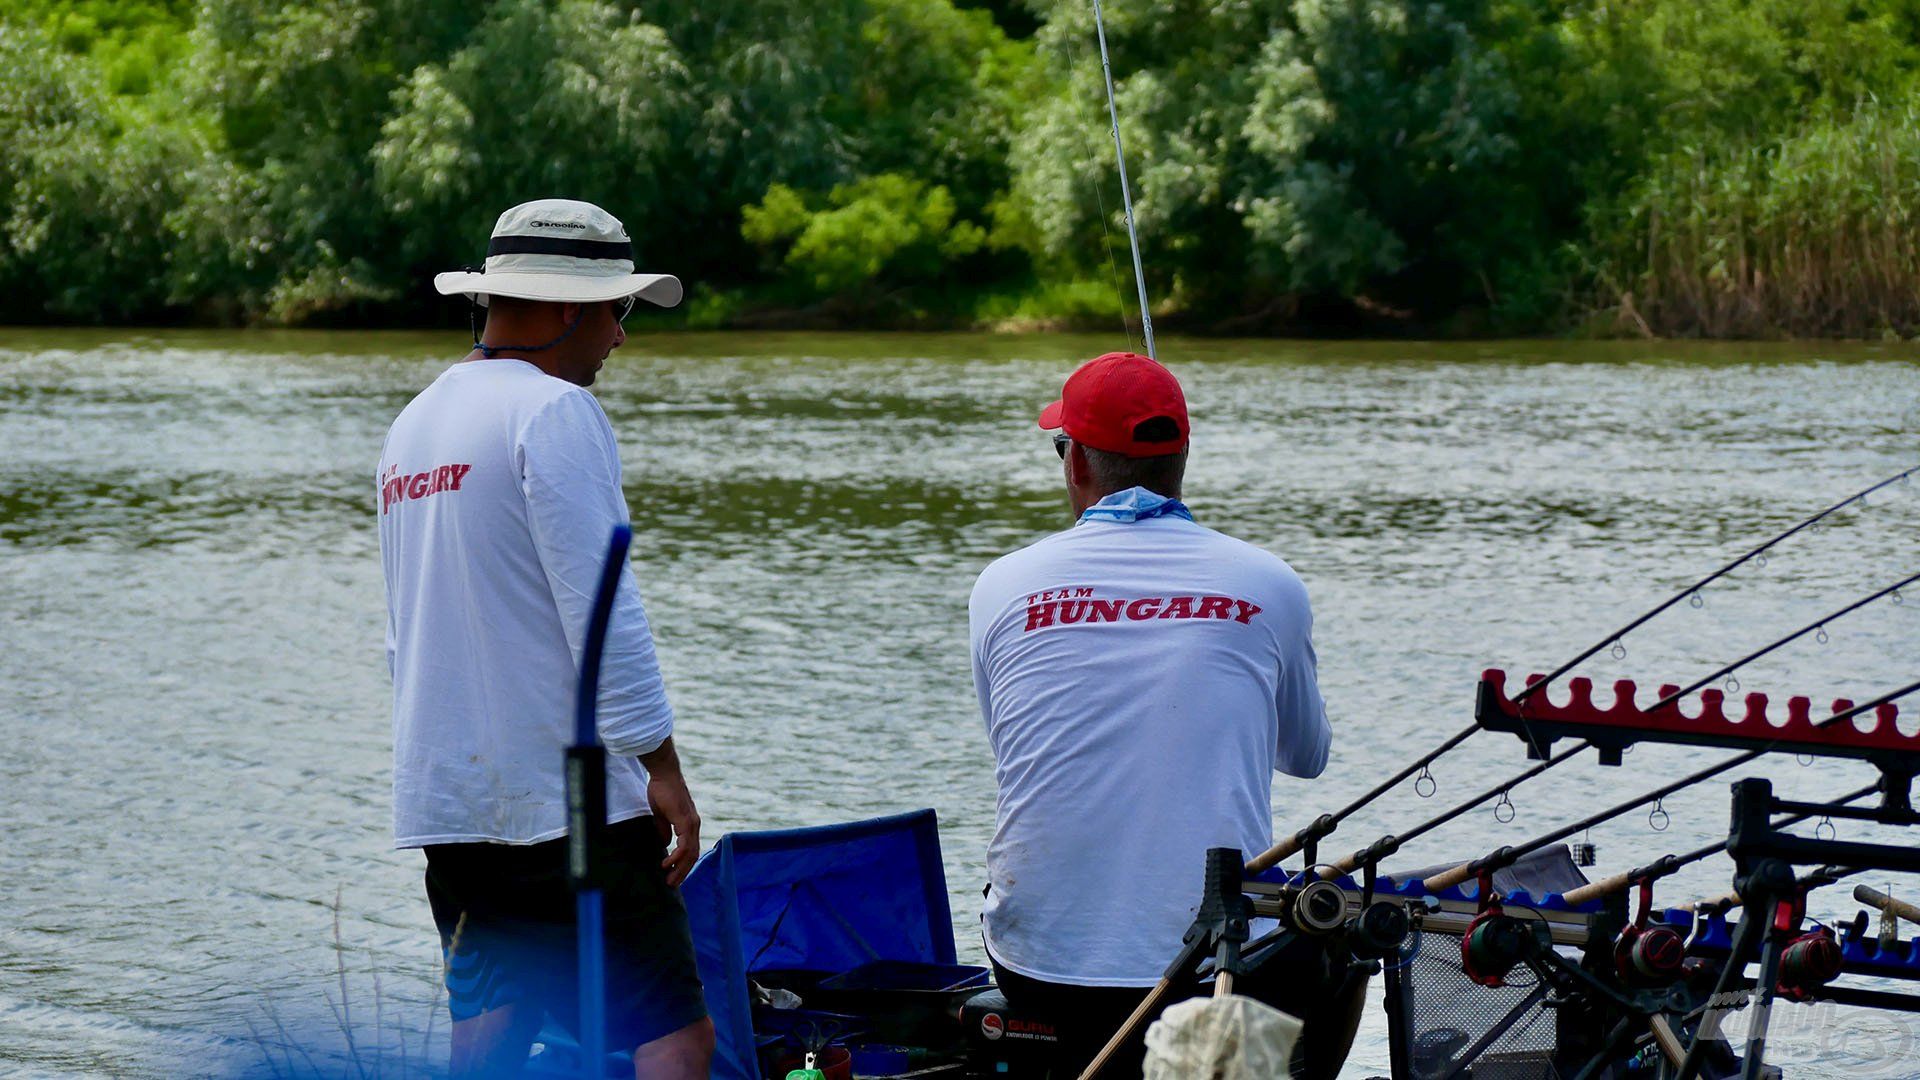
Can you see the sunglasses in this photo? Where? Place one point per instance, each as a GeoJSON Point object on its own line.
{"type": "Point", "coordinates": [622, 308]}
{"type": "Point", "coordinates": [1060, 443]}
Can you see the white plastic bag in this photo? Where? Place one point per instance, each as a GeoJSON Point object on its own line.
{"type": "Point", "coordinates": [1221, 1038]}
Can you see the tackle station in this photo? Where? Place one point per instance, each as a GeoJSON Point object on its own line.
{"type": "Point", "coordinates": [829, 951]}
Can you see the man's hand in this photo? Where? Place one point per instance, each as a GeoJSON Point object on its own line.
{"type": "Point", "coordinates": [673, 811]}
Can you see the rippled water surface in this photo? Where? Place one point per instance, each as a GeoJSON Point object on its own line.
{"type": "Point", "coordinates": [195, 875]}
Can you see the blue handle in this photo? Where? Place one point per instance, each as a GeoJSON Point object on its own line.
{"type": "Point", "coordinates": [586, 771]}
{"type": "Point", "coordinates": [584, 733]}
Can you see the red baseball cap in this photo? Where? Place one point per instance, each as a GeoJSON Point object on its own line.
{"type": "Point", "coordinates": [1109, 397]}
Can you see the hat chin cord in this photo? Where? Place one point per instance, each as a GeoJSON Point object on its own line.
{"type": "Point", "coordinates": [488, 351]}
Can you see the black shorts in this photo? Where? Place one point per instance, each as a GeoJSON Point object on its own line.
{"type": "Point", "coordinates": [507, 933]}
{"type": "Point", "coordinates": [1291, 978]}
{"type": "Point", "coordinates": [1084, 1018]}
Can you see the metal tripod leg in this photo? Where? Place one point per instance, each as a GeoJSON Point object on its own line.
{"type": "Point", "coordinates": [1744, 939]}
{"type": "Point", "coordinates": [1767, 984]}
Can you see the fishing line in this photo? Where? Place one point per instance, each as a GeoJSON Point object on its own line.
{"type": "Point", "coordinates": [1126, 197]}
{"type": "Point", "coordinates": [1106, 225]}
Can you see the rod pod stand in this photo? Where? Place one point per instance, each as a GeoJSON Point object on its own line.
{"type": "Point", "coordinates": [1773, 904]}
{"type": "Point", "coordinates": [1222, 919]}
{"type": "Point", "coordinates": [1764, 885]}
{"type": "Point", "coordinates": [1219, 928]}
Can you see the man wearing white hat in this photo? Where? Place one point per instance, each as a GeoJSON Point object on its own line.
{"type": "Point", "coordinates": [498, 488]}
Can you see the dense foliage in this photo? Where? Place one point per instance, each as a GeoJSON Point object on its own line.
{"type": "Point", "coordinates": [1720, 167]}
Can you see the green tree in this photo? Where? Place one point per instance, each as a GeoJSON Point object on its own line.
{"type": "Point", "coordinates": [1381, 135]}
{"type": "Point", "coordinates": [300, 92]}
{"type": "Point", "coordinates": [131, 42]}
{"type": "Point", "coordinates": [100, 194]}
{"type": "Point", "coordinates": [940, 93]}
{"type": "Point", "coordinates": [886, 230]}
{"type": "Point", "coordinates": [1674, 113]}
{"type": "Point", "coordinates": [814, 95]}
{"type": "Point", "coordinates": [570, 99]}
{"type": "Point", "coordinates": [1356, 149]}
{"type": "Point", "coordinates": [776, 82]}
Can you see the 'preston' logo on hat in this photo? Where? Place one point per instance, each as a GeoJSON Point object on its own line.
{"type": "Point", "coordinates": [593, 262]}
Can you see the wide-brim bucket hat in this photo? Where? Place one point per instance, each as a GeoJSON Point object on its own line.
{"type": "Point", "coordinates": [560, 250]}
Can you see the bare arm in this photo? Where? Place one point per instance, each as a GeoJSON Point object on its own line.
{"type": "Point", "coordinates": [673, 808]}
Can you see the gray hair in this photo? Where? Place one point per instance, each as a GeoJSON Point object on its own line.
{"type": "Point", "coordinates": [1111, 472]}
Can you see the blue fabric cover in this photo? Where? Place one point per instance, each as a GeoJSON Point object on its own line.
{"type": "Point", "coordinates": [1134, 504]}
{"type": "Point", "coordinates": [828, 898]}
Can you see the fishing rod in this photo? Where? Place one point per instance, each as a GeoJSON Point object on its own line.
{"type": "Point", "coordinates": [1817, 624]}
{"type": "Point", "coordinates": [1874, 898]}
{"type": "Point", "coordinates": [1507, 856]}
{"type": "Point", "coordinates": [1386, 846]}
{"type": "Point", "coordinates": [1667, 865]}
{"type": "Point", "coordinates": [1390, 844]}
{"type": "Point", "coordinates": [1694, 589]}
{"type": "Point", "coordinates": [1126, 197]}
{"type": "Point", "coordinates": [586, 766]}
{"type": "Point", "coordinates": [1325, 824]}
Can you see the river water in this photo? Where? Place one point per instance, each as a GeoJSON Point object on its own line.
{"type": "Point", "coordinates": [194, 756]}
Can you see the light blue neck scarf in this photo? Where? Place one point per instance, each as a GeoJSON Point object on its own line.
{"type": "Point", "coordinates": [1135, 504]}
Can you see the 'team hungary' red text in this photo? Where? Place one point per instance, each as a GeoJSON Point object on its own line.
{"type": "Point", "coordinates": [404, 486]}
{"type": "Point", "coordinates": [1064, 607]}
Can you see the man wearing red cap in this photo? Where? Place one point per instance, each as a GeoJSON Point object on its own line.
{"type": "Point", "coordinates": [1141, 677]}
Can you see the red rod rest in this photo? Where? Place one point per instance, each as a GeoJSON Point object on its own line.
{"type": "Point", "coordinates": [1540, 720]}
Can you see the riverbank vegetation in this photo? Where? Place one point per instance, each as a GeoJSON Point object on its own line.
{"type": "Point", "coordinates": [1727, 168]}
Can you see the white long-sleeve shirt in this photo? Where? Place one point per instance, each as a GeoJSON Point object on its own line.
{"type": "Point", "coordinates": [498, 490]}
{"type": "Point", "coordinates": [1140, 682]}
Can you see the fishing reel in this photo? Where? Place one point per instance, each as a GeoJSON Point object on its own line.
{"type": "Point", "coordinates": [1320, 907]}
{"type": "Point", "coordinates": [1495, 943]}
{"type": "Point", "coordinates": [1648, 955]}
{"type": "Point", "coordinates": [1379, 931]}
{"type": "Point", "coordinates": [1329, 934]}
{"type": "Point", "coordinates": [1808, 963]}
